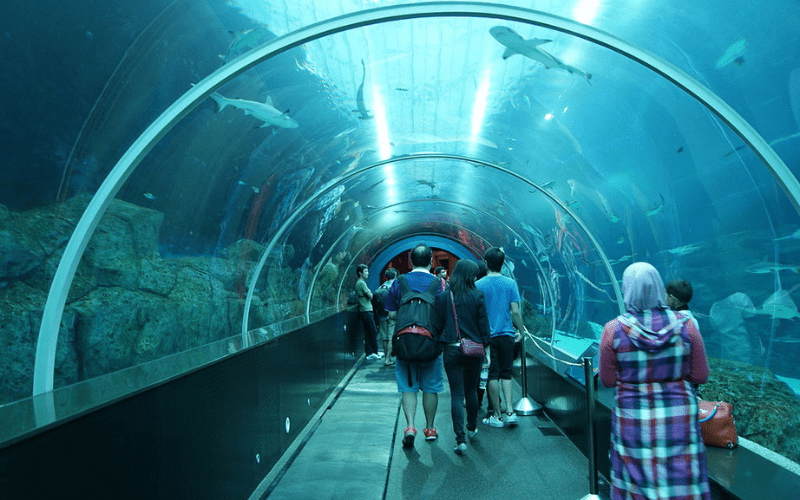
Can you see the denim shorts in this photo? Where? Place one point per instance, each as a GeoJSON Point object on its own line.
{"type": "Point", "coordinates": [426, 377]}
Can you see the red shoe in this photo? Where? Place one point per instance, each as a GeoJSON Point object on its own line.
{"type": "Point", "coordinates": [408, 438]}
{"type": "Point", "coordinates": [430, 434]}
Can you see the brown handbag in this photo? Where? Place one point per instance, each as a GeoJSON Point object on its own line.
{"type": "Point", "coordinates": [716, 424]}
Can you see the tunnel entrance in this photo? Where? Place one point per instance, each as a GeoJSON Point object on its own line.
{"type": "Point", "coordinates": [402, 263]}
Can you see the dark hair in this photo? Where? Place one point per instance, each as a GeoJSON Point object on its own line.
{"type": "Point", "coordinates": [390, 273]}
{"type": "Point", "coordinates": [463, 277]}
{"type": "Point", "coordinates": [494, 258]}
{"type": "Point", "coordinates": [361, 268]}
{"type": "Point", "coordinates": [438, 270]}
{"type": "Point", "coordinates": [421, 255]}
{"type": "Point", "coordinates": [681, 290]}
{"type": "Point", "coordinates": [481, 270]}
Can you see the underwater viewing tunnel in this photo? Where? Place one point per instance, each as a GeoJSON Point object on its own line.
{"type": "Point", "coordinates": [188, 187]}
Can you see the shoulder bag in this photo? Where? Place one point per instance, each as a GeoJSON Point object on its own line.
{"type": "Point", "coordinates": [468, 347]}
{"type": "Point", "coordinates": [716, 424]}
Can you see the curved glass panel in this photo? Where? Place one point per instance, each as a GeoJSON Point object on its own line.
{"type": "Point", "coordinates": [250, 215]}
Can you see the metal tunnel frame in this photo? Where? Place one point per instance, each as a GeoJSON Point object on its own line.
{"type": "Point", "coordinates": [51, 318]}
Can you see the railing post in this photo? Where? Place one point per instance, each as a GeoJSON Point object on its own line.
{"type": "Point", "coordinates": [591, 444]}
{"type": "Point", "coordinates": [525, 405]}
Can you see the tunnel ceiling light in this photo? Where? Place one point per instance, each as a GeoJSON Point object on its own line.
{"type": "Point", "coordinates": [586, 11]}
{"type": "Point", "coordinates": [479, 108]}
{"type": "Point", "coordinates": [381, 127]}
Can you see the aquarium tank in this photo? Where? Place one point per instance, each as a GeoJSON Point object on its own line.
{"type": "Point", "coordinates": [184, 179]}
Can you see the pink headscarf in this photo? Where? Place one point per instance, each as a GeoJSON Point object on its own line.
{"type": "Point", "coordinates": [642, 288]}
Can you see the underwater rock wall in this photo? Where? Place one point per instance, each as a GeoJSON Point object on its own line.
{"type": "Point", "coordinates": [765, 409]}
{"type": "Point", "coordinates": [127, 305]}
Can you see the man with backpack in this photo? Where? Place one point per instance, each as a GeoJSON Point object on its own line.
{"type": "Point", "coordinates": [385, 325]}
{"type": "Point", "coordinates": [410, 303]}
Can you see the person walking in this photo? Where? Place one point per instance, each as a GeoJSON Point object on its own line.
{"type": "Point", "coordinates": [652, 356]}
{"type": "Point", "coordinates": [505, 323]}
{"type": "Point", "coordinates": [413, 377]}
{"type": "Point", "coordinates": [462, 314]}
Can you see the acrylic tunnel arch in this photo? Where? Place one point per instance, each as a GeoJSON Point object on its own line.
{"type": "Point", "coordinates": [337, 184]}
{"type": "Point", "coordinates": [46, 344]}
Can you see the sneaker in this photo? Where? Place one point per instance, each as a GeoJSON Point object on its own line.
{"type": "Point", "coordinates": [408, 437]}
{"type": "Point", "coordinates": [492, 421]}
{"type": "Point", "coordinates": [460, 449]}
{"type": "Point", "coordinates": [472, 433]}
{"type": "Point", "coordinates": [380, 354]}
{"type": "Point", "coordinates": [430, 434]}
{"type": "Point", "coordinates": [388, 362]}
{"type": "Point", "coordinates": [511, 419]}
{"type": "Point", "coordinates": [373, 357]}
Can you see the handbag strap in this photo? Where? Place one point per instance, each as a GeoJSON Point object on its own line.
{"type": "Point", "coordinates": [453, 302]}
{"type": "Point", "coordinates": [711, 415]}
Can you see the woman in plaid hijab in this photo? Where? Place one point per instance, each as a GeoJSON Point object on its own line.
{"type": "Point", "coordinates": [652, 356]}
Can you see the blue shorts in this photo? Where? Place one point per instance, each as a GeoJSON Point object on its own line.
{"type": "Point", "coordinates": [426, 377]}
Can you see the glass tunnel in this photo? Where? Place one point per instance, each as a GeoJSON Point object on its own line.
{"type": "Point", "coordinates": [187, 179]}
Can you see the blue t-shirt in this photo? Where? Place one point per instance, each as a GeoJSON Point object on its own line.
{"type": "Point", "coordinates": [418, 281]}
{"type": "Point", "coordinates": [500, 291]}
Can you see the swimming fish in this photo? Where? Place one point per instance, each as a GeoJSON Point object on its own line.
{"type": "Point", "coordinates": [779, 305]}
{"type": "Point", "coordinates": [265, 111]}
{"type": "Point", "coordinates": [686, 249]}
{"type": "Point", "coordinates": [515, 44]}
{"type": "Point", "coordinates": [655, 208]}
{"type": "Point", "coordinates": [765, 266]}
{"type": "Point", "coordinates": [362, 111]}
{"type": "Point", "coordinates": [733, 54]}
{"type": "Point", "coordinates": [794, 236]}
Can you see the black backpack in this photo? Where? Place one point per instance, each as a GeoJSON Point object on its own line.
{"type": "Point", "coordinates": [413, 339]}
{"type": "Point", "coordinates": [379, 301]}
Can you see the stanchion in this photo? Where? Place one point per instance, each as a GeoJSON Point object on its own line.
{"type": "Point", "coordinates": [525, 406]}
{"type": "Point", "coordinates": [591, 444]}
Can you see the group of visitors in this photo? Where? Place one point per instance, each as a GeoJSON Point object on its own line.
{"type": "Point", "coordinates": [653, 355]}
{"type": "Point", "coordinates": [479, 304]}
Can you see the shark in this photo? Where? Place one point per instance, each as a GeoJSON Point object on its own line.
{"type": "Point", "coordinates": [362, 111]}
{"type": "Point", "coordinates": [264, 111]}
{"type": "Point", "coordinates": [515, 44]}
{"type": "Point", "coordinates": [794, 236]}
{"type": "Point", "coordinates": [686, 249]}
{"type": "Point", "coordinates": [766, 266]}
{"type": "Point", "coordinates": [655, 208]}
{"type": "Point", "coordinates": [779, 305]}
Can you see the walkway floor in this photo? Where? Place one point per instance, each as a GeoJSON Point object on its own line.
{"type": "Point", "coordinates": [355, 453]}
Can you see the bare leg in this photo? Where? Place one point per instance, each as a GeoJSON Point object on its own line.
{"type": "Point", "coordinates": [494, 396]}
{"type": "Point", "coordinates": [430, 403]}
{"type": "Point", "coordinates": [507, 388]}
{"type": "Point", "coordinates": [410, 406]}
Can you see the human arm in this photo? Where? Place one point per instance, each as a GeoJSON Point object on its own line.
{"type": "Point", "coordinates": [440, 318]}
{"type": "Point", "coordinates": [393, 300]}
{"type": "Point", "coordinates": [363, 290]}
{"type": "Point", "coordinates": [516, 319]}
{"type": "Point", "coordinates": [608, 358]}
{"type": "Point", "coordinates": [698, 361]}
{"type": "Point", "coordinates": [483, 320]}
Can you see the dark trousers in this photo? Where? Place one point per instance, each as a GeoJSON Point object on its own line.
{"type": "Point", "coordinates": [463, 374]}
{"type": "Point", "coordinates": [370, 332]}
